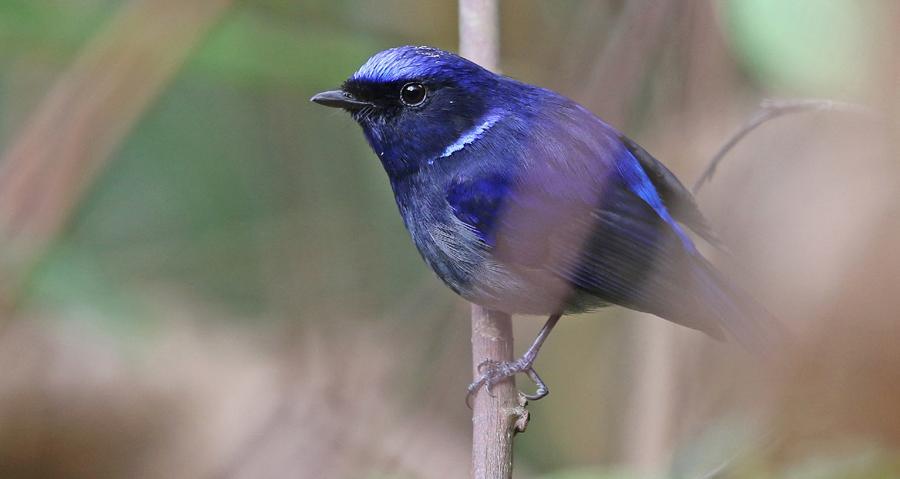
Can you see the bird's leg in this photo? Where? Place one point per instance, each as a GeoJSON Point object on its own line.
{"type": "Point", "coordinates": [493, 372]}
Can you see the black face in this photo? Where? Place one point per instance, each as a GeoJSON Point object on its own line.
{"type": "Point", "coordinates": [390, 97]}
{"type": "Point", "coordinates": [414, 102]}
{"type": "Point", "coordinates": [411, 121]}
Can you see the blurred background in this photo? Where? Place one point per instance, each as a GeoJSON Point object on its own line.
{"type": "Point", "coordinates": [204, 275]}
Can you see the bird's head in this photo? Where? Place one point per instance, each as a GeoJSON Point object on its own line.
{"type": "Point", "coordinates": [415, 102]}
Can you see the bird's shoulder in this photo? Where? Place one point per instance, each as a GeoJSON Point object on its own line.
{"type": "Point", "coordinates": [578, 141]}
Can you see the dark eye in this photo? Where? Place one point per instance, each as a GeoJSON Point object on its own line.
{"type": "Point", "coordinates": [413, 94]}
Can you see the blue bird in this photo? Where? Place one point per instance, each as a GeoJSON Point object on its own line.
{"type": "Point", "coordinates": [525, 202]}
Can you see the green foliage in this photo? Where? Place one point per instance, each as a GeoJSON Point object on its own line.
{"type": "Point", "coordinates": [55, 29]}
{"type": "Point", "coordinates": [257, 50]}
{"type": "Point", "coordinates": [804, 46]}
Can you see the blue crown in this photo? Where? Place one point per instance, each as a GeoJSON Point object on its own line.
{"type": "Point", "coordinates": [406, 63]}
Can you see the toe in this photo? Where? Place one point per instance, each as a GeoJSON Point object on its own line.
{"type": "Point", "coordinates": [487, 366]}
{"type": "Point", "coordinates": [539, 394]}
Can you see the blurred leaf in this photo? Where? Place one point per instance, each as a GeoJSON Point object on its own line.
{"type": "Point", "coordinates": [184, 194]}
{"type": "Point", "coordinates": [56, 27]}
{"type": "Point", "coordinates": [77, 286]}
{"type": "Point", "coordinates": [806, 46]}
{"type": "Point", "coordinates": [721, 446]}
{"type": "Point", "coordinates": [593, 473]}
{"type": "Point", "coordinates": [252, 45]}
{"type": "Point", "coordinates": [869, 464]}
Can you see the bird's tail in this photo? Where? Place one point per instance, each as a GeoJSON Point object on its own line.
{"type": "Point", "coordinates": [739, 314]}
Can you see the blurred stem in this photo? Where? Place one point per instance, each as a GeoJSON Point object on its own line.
{"type": "Point", "coordinates": [494, 416]}
{"type": "Point", "coordinates": [769, 110]}
{"type": "Point", "coordinates": [616, 77]}
{"type": "Point", "coordinates": [479, 32]}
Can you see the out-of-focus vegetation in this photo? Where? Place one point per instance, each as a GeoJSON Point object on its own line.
{"type": "Point", "coordinates": [233, 293]}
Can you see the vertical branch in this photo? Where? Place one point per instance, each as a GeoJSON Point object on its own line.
{"type": "Point", "coordinates": [479, 32]}
{"type": "Point", "coordinates": [494, 416]}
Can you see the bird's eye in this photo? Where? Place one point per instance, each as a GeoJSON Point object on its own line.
{"type": "Point", "coordinates": [413, 94]}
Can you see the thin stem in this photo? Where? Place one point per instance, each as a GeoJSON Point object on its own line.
{"type": "Point", "coordinates": [769, 110]}
{"type": "Point", "coordinates": [494, 413]}
{"type": "Point", "coordinates": [494, 416]}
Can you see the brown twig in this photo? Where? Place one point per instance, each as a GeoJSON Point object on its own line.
{"type": "Point", "coordinates": [769, 110]}
{"type": "Point", "coordinates": [496, 416]}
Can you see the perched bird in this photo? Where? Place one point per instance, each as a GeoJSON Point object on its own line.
{"type": "Point", "coordinates": [523, 201]}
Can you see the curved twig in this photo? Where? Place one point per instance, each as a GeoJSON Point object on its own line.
{"type": "Point", "coordinates": [769, 110]}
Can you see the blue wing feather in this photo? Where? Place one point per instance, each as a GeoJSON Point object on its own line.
{"type": "Point", "coordinates": [678, 200]}
{"type": "Point", "coordinates": [639, 183]}
{"type": "Point", "coordinates": [478, 202]}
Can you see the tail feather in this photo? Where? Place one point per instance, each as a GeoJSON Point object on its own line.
{"type": "Point", "coordinates": [739, 314]}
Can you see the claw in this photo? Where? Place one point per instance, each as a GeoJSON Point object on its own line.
{"type": "Point", "coordinates": [485, 364]}
{"type": "Point", "coordinates": [493, 372]}
{"type": "Point", "coordinates": [472, 389]}
{"type": "Point", "coordinates": [542, 389]}
{"type": "Point", "coordinates": [489, 385]}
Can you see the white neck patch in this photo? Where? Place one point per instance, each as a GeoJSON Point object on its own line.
{"type": "Point", "coordinates": [472, 135]}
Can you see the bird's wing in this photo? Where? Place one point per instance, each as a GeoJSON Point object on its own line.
{"type": "Point", "coordinates": [678, 200]}
{"type": "Point", "coordinates": [615, 248]}
{"type": "Point", "coordinates": [580, 205]}
{"type": "Point", "coordinates": [477, 201]}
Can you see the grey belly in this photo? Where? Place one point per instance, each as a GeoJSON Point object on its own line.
{"type": "Point", "coordinates": [459, 258]}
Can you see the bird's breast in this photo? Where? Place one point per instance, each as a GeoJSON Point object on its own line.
{"type": "Point", "coordinates": [464, 262]}
{"type": "Point", "coordinates": [449, 248]}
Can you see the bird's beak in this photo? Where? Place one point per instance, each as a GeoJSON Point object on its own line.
{"type": "Point", "coordinates": [339, 99]}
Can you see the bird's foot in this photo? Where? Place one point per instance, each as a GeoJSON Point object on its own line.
{"type": "Point", "coordinates": [493, 372]}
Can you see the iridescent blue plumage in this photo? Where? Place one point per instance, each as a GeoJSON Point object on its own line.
{"type": "Point", "coordinates": [523, 201]}
{"type": "Point", "coordinates": [478, 203]}
{"type": "Point", "coordinates": [402, 64]}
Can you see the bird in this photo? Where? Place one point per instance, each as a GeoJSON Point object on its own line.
{"type": "Point", "coordinates": [523, 201]}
